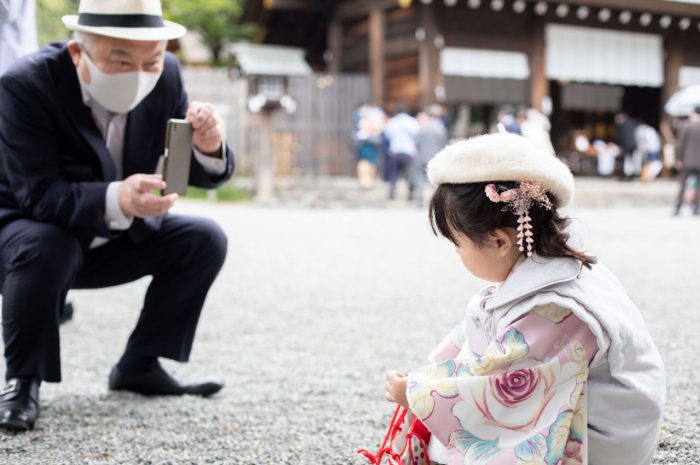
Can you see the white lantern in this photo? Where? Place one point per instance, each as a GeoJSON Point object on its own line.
{"type": "Point", "coordinates": [519, 6]}
{"type": "Point", "coordinates": [541, 8]}
{"type": "Point", "coordinates": [582, 12]}
{"type": "Point", "coordinates": [497, 5]}
{"type": "Point", "coordinates": [625, 17]}
{"type": "Point", "coordinates": [562, 10]}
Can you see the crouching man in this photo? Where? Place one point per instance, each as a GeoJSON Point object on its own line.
{"type": "Point", "coordinates": [82, 127]}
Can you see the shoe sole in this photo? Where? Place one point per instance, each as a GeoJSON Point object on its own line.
{"type": "Point", "coordinates": [16, 425]}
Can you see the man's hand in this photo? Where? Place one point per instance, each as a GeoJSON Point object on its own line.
{"type": "Point", "coordinates": [396, 388]}
{"type": "Point", "coordinates": [136, 199]}
{"type": "Point", "coordinates": [208, 135]}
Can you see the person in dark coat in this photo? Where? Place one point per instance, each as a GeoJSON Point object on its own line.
{"type": "Point", "coordinates": [688, 161]}
{"type": "Point", "coordinates": [431, 138]}
{"type": "Point", "coordinates": [82, 127]}
{"type": "Point", "coordinates": [628, 144]}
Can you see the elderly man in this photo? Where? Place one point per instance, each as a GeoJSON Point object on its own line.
{"type": "Point", "coordinates": [82, 127]}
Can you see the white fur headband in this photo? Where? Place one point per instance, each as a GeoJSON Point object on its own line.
{"type": "Point", "coordinates": [501, 157]}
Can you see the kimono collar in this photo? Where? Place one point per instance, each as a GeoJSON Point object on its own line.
{"type": "Point", "coordinates": [532, 275]}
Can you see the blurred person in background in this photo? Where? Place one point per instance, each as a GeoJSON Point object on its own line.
{"type": "Point", "coordinates": [17, 31]}
{"type": "Point", "coordinates": [535, 127]}
{"type": "Point", "coordinates": [627, 142]}
{"type": "Point", "coordinates": [688, 162]}
{"type": "Point", "coordinates": [431, 138]}
{"type": "Point", "coordinates": [508, 119]}
{"type": "Point", "coordinates": [401, 132]}
{"type": "Point", "coordinates": [368, 141]}
{"type": "Point", "coordinates": [649, 149]}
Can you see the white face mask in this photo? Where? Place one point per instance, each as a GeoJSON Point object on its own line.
{"type": "Point", "coordinates": [120, 92]}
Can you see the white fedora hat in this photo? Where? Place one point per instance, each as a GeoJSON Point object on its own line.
{"type": "Point", "coordinates": [501, 157]}
{"type": "Point", "coordinates": [124, 19]}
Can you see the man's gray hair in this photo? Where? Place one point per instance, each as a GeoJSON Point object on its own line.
{"type": "Point", "coordinates": [86, 40]}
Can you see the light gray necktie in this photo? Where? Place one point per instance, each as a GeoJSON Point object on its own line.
{"type": "Point", "coordinates": [114, 140]}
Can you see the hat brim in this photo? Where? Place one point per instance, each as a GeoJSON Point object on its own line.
{"type": "Point", "coordinates": [168, 32]}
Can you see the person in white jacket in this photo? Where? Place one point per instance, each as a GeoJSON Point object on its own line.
{"type": "Point", "coordinates": [17, 31]}
{"type": "Point", "coordinates": [553, 363]}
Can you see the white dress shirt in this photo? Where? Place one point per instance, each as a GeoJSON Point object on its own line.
{"type": "Point", "coordinates": [112, 126]}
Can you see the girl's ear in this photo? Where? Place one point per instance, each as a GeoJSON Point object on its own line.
{"type": "Point", "coordinates": [503, 240]}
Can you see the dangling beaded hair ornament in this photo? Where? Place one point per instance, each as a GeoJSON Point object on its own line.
{"type": "Point", "coordinates": [519, 200]}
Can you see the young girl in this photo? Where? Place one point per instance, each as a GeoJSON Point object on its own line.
{"type": "Point", "coordinates": [553, 364]}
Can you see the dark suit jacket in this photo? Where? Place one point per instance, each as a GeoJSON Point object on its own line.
{"type": "Point", "coordinates": [55, 165]}
{"type": "Point", "coordinates": [689, 146]}
{"type": "Point", "coordinates": [625, 135]}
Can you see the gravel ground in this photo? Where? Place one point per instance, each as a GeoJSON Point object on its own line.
{"type": "Point", "coordinates": [312, 307]}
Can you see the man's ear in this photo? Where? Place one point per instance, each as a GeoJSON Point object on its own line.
{"type": "Point", "coordinates": [75, 51]}
{"type": "Point", "coordinates": [503, 240]}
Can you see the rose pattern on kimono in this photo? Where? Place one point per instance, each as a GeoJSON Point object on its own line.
{"type": "Point", "coordinates": [511, 407]}
{"type": "Point", "coordinates": [422, 387]}
{"type": "Point", "coordinates": [512, 346]}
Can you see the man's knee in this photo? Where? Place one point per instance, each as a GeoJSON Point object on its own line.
{"type": "Point", "coordinates": [210, 239]}
{"type": "Point", "coordinates": [47, 249]}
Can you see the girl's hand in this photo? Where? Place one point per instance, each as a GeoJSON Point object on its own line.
{"type": "Point", "coordinates": [396, 388]}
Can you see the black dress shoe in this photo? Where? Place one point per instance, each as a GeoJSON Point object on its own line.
{"type": "Point", "coordinates": [160, 382]}
{"type": "Point", "coordinates": [66, 312]}
{"type": "Point", "coordinates": [19, 404]}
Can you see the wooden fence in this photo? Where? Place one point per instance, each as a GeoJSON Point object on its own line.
{"type": "Point", "coordinates": [313, 141]}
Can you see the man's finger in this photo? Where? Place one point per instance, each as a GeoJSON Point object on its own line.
{"type": "Point", "coordinates": [155, 205]}
{"type": "Point", "coordinates": [211, 135]}
{"type": "Point", "coordinates": [147, 184]}
{"type": "Point", "coordinates": [207, 125]}
{"type": "Point", "coordinates": [202, 118]}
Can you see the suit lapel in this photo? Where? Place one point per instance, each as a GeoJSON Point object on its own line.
{"type": "Point", "coordinates": [80, 116]}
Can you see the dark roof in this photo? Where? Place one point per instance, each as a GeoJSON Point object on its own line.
{"type": "Point", "coordinates": [295, 23]}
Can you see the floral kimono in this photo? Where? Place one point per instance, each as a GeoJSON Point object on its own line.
{"type": "Point", "coordinates": [509, 385]}
{"type": "Point", "coordinates": [519, 400]}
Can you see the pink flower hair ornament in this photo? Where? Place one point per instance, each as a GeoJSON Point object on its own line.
{"type": "Point", "coordinates": [519, 200]}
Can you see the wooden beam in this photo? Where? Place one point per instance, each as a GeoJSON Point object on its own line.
{"type": "Point", "coordinates": [335, 46]}
{"type": "Point", "coordinates": [299, 5]}
{"type": "Point", "coordinates": [376, 54]}
{"type": "Point", "coordinates": [360, 8]}
{"type": "Point", "coordinates": [539, 86]}
{"type": "Point", "coordinates": [672, 67]}
{"type": "Point", "coordinates": [426, 51]}
{"type": "Point", "coordinates": [652, 6]}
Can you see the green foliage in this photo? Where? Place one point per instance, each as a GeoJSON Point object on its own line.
{"type": "Point", "coordinates": [48, 19]}
{"type": "Point", "coordinates": [225, 193]}
{"type": "Point", "coordinates": [216, 20]}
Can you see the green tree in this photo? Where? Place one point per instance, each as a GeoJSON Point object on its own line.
{"type": "Point", "coordinates": [48, 19]}
{"type": "Point", "coordinates": [218, 21]}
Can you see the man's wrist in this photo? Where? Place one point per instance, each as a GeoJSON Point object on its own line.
{"type": "Point", "coordinates": [218, 153]}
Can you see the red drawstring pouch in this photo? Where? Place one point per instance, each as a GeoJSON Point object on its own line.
{"type": "Point", "coordinates": [405, 443]}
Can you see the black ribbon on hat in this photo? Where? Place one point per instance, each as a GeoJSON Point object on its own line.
{"type": "Point", "coordinates": [100, 20]}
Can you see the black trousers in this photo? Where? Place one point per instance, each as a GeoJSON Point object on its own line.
{"type": "Point", "coordinates": [41, 262]}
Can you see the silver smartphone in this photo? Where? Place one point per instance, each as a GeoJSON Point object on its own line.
{"type": "Point", "coordinates": [177, 157]}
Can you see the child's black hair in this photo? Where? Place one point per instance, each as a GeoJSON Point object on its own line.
{"type": "Point", "coordinates": [466, 209]}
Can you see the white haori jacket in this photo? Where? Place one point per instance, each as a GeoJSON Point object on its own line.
{"type": "Point", "coordinates": [626, 386]}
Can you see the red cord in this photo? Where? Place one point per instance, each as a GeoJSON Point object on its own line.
{"type": "Point", "coordinates": [415, 429]}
